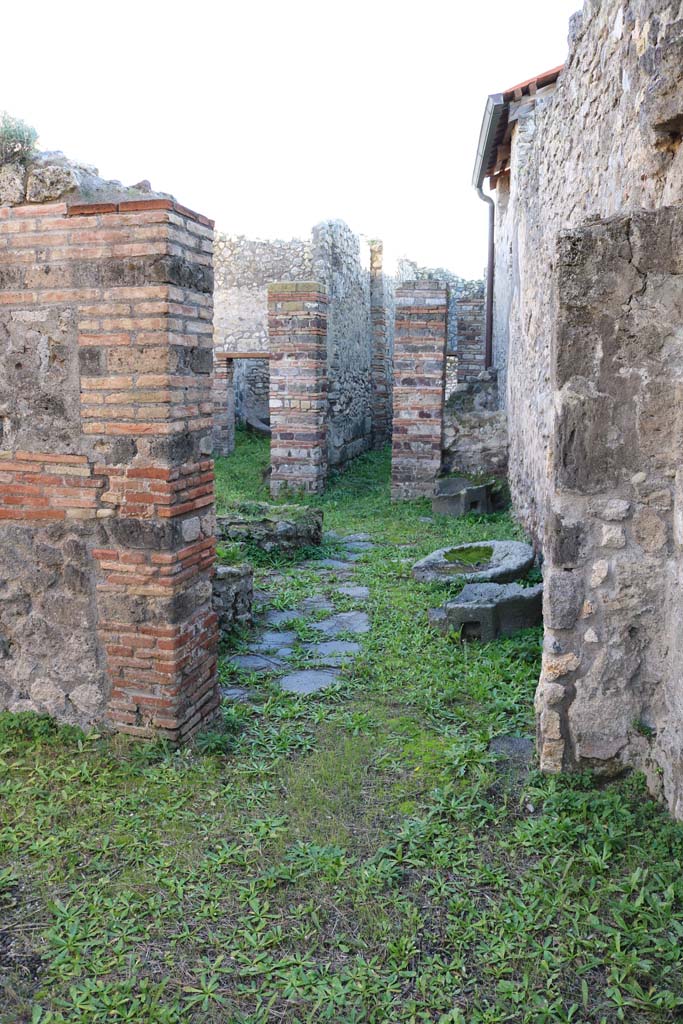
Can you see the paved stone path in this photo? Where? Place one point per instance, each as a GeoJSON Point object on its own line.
{"type": "Point", "coordinates": [328, 637]}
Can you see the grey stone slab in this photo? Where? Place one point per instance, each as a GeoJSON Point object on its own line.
{"type": "Point", "coordinates": [330, 563]}
{"type": "Point", "coordinates": [309, 680]}
{"type": "Point", "coordinates": [345, 648]}
{"type": "Point", "coordinates": [276, 618]}
{"type": "Point", "coordinates": [316, 604]}
{"type": "Point", "coordinates": [356, 537]}
{"type": "Point", "coordinates": [357, 593]}
{"type": "Point", "coordinates": [344, 622]}
{"type": "Point", "coordinates": [360, 545]}
{"type": "Point", "coordinates": [255, 663]}
{"type": "Point", "coordinates": [353, 556]}
{"type": "Point", "coordinates": [236, 693]}
{"type": "Point", "coordinates": [274, 638]}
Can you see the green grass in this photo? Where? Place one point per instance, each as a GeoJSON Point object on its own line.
{"type": "Point", "coordinates": [471, 558]}
{"type": "Point", "coordinates": [358, 858]}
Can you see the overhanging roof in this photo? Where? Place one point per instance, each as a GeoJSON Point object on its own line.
{"type": "Point", "coordinates": [494, 125]}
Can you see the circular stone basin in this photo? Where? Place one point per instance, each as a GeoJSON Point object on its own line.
{"type": "Point", "coordinates": [494, 561]}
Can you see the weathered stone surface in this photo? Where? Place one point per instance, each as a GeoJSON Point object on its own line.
{"type": "Point", "coordinates": [284, 528]}
{"type": "Point", "coordinates": [309, 681]}
{"type": "Point", "coordinates": [485, 611]}
{"type": "Point", "coordinates": [458, 497]}
{"type": "Point", "coordinates": [233, 595]}
{"type": "Point", "coordinates": [357, 593]}
{"type": "Point", "coordinates": [105, 603]}
{"type": "Point", "coordinates": [475, 429]}
{"type": "Point", "coordinates": [12, 184]}
{"type": "Point", "coordinates": [344, 622]}
{"type": "Point", "coordinates": [509, 560]}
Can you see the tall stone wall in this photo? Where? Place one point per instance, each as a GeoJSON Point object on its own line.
{"type": "Point", "coordinates": [611, 690]}
{"type": "Point", "coordinates": [419, 386]}
{"type": "Point", "coordinates": [593, 308]}
{"type": "Point", "coordinates": [106, 487]}
{"type": "Point", "coordinates": [605, 140]}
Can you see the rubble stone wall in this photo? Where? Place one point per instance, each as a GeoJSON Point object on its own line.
{"type": "Point", "coordinates": [475, 429]}
{"type": "Point", "coordinates": [106, 485]}
{"type": "Point", "coordinates": [605, 140]}
{"type": "Point", "coordinates": [611, 692]}
{"type": "Point", "coordinates": [588, 280]}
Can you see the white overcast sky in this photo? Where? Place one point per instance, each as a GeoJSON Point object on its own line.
{"type": "Point", "coordinates": [271, 116]}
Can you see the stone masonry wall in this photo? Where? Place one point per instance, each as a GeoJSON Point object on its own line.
{"type": "Point", "coordinates": [340, 261]}
{"type": "Point", "coordinates": [243, 269]}
{"type": "Point", "coordinates": [611, 690]}
{"type": "Point", "coordinates": [106, 487]}
{"type": "Point", "coordinates": [593, 358]}
{"type": "Point", "coordinates": [605, 140]}
{"type": "Point", "coordinates": [419, 385]}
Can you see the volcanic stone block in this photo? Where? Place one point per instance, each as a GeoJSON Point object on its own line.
{"type": "Point", "coordinates": [233, 596]}
{"type": "Point", "coordinates": [457, 496]}
{"type": "Point", "coordinates": [283, 528]}
{"type": "Point", "coordinates": [500, 561]}
{"type": "Point", "coordinates": [485, 611]}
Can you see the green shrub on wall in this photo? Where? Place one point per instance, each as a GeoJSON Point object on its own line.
{"type": "Point", "coordinates": [17, 140]}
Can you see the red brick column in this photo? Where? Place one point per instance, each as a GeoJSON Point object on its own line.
{"type": "Point", "coordinates": [419, 382]}
{"type": "Point", "coordinates": [223, 404]}
{"type": "Point", "coordinates": [297, 329]}
{"type": "Point", "coordinates": [381, 369]}
{"type": "Point", "coordinates": [104, 464]}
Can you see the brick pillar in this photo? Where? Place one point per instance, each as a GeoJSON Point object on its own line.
{"type": "Point", "coordinates": [471, 322]}
{"type": "Point", "coordinates": [297, 328]}
{"type": "Point", "coordinates": [381, 369]}
{"type": "Point", "coordinates": [223, 404]}
{"type": "Point", "coordinates": [106, 485]}
{"type": "Point", "coordinates": [419, 380]}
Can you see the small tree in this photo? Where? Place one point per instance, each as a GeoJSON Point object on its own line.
{"type": "Point", "coordinates": [17, 140]}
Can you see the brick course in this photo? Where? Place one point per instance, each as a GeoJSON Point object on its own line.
{"type": "Point", "coordinates": [297, 328]}
{"type": "Point", "coordinates": [105, 419]}
{"type": "Point", "coordinates": [419, 384]}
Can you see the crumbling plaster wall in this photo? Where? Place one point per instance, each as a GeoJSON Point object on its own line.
{"type": "Point", "coordinates": [605, 140]}
{"type": "Point", "coordinates": [589, 289]}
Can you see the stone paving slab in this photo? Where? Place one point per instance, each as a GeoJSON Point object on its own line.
{"type": "Point", "coordinates": [345, 622]}
{"type": "Point", "coordinates": [236, 693]}
{"type": "Point", "coordinates": [357, 593]}
{"type": "Point", "coordinates": [255, 663]}
{"type": "Point", "coordinates": [327, 648]}
{"type": "Point", "coordinates": [276, 618]}
{"type": "Point", "coordinates": [309, 680]}
{"type": "Point", "coordinates": [356, 537]}
{"type": "Point", "coordinates": [360, 545]}
{"type": "Point", "coordinates": [316, 604]}
{"type": "Point", "coordinates": [329, 563]}
{"type": "Point", "coordinates": [273, 638]}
